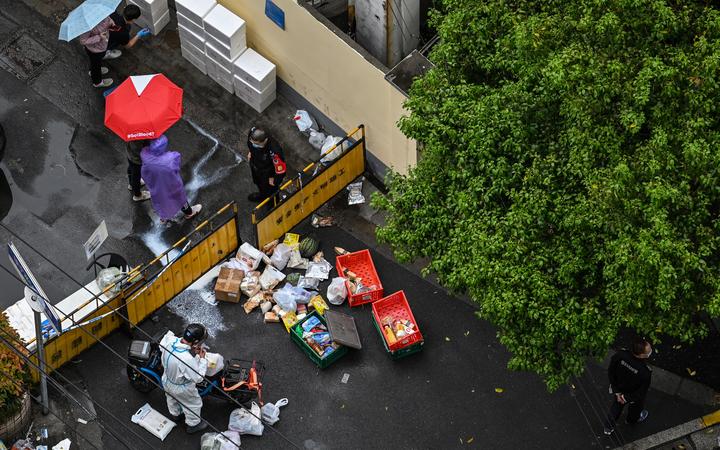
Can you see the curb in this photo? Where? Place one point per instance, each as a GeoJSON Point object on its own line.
{"type": "Point", "coordinates": [691, 433]}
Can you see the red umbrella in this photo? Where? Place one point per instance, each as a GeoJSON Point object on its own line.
{"type": "Point", "coordinates": [143, 107]}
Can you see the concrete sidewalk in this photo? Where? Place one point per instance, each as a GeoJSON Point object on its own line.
{"type": "Point", "coordinates": [699, 434]}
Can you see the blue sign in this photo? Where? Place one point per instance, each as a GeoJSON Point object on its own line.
{"type": "Point", "coordinates": [274, 13]}
{"type": "Point", "coordinates": [39, 295]}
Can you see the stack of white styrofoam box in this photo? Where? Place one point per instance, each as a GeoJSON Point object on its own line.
{"type": "Point", "coordinates": [254, 80]}
{"type": "Point", "coordinates": [190, 14]}
{"type": "Point", "coordinates": [155, 14]}
{"type": "Point", "coordinates": [224, 42]}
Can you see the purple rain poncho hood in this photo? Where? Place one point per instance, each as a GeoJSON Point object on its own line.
{"type": "Point", "coordinates": [161, 172]}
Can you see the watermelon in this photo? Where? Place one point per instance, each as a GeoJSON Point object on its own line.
{"type": "Point", "coordinates": [308, 247]}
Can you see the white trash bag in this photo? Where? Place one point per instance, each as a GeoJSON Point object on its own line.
{"type": "Point", "coordinates": [270, 278]}
{"type": "Point", "coordinates": [271, 412]}
{"type": "Point", "coordinates": [304, 121]}
{"type": "Point", "coordinates": [216, 363]}
{"type": "Point", "coordinates": [317, 139]}
{"type": "Point", "coordinates": [227, 440]}
{"type": "Point", "coordinates": [337, 292]}
{"type": "Point", "coordinates": [157, 424]}
{"type": "Point", "coordinates": [247, 422]}
{"type": "Point", "coordinates": [331, 141]}
{"type": "Point", "coordinates": [280, 256]}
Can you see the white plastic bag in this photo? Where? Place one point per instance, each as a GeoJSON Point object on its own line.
{"type": "Point", "coordinates": [216, 363]}
{"type": "Point", "coordinates": [108, 276]}
{"type": "Point", "coordinates": [157, 424]}
{"type": "Point", "coordinates": [337, 292]}
{"type": "Point", "coordinates": [242, 421]}
{"type": "Point", "coordinates": [320, 269]}
{"type": "Point", "coordinates": [296, 261]}
{"type": "Point", "coordinates": [270, 278]}
{"type": "Point", "coordinates": [280, 256]}
{"type": "Point", "coordinates": [271, 412]}
{"type": "Point", "coordinates": [249, 256]}
{"type": "Point", "coordinates": [330, 141]}
{"type": "Point", "coordinates": [317, 139]}
{"type": "Point", "coordinates": [285, 299]}
{"type": "Point", "coordinates": [308, 282]}
{"type": "Point", "coordinates": [304, 121]}
{"type": "Point", "coordinates": [227, 440]}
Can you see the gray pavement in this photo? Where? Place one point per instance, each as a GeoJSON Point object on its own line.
{"type": "Point", "coordinates": [67, 173]}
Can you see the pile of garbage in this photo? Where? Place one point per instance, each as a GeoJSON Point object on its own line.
{"type": "Point", "coordinates": [280, 297]}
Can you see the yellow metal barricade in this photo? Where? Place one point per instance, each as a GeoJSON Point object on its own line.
{"type": "Point", "coordinates": [149, 287]}
{"type": "Point", "coordinates": [310, 189]}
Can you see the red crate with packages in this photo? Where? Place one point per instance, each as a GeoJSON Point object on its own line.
{"type": "Point", "coordinates": [359, 265]}
{"type": "Point", "coordinates": [396, 322]}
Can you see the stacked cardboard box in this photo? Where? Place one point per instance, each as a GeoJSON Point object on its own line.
{"type": "Point", "coordinates": [227, 287]}
{"type": "Point", "coordinates": [155, 14]}
{"type": "Point", "coordinates": [224, 42]}
{"type": "Point", "coordinates": [190, 15]}
{"type": "Point", "coordinates": [254, 80]}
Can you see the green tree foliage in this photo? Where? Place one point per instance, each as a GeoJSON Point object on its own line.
{"type": "Point", "coordinates": [14, 374]}
{"type": "Point", "coordinates": [568, 179]}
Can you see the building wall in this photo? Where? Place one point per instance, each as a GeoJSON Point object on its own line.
{"type": "Point", "coordinates": [341, 82]}
{"type": "Point", "coordinates": [371, 27]}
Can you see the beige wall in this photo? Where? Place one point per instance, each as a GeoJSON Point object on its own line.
{"type": "Point", "coordinates": [331, 75]}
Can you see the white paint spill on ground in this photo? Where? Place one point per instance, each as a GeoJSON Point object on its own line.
{"type": "Point", "coordinates": [192, 308]}
{"type": "Point", "coordinates": [198, 180]}
{"type": "Point", "coordinates": [154, 241]}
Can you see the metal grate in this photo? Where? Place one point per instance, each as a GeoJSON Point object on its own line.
{"type": "Point", "coordinates": [24, 56]}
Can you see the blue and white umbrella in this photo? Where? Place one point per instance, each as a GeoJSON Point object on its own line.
{"type": "Point", "coordinates": [85, 17]}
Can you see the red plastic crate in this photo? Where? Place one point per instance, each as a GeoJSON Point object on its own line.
{"type": "Point", "coordinates": [361, 264]}
{"type": "Point", "coordinates": [396, 307]}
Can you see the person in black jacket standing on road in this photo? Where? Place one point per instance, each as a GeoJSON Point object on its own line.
{"type": "Point", "coordinates": [267, 164]}
{"type": "Point", "coordinates": [629, 382]}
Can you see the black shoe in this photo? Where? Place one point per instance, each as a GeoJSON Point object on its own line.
{"type": "Point", "coordinates": [199, 427]}
{"type": "Point", "coordinates": [608, 431]}
{"type": "Point", "coordinates": [178, 419]}
{"type": "Point", "coordinates": [255, 197]}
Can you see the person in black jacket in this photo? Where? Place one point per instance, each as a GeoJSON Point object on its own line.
{"type": "Point", "coordinates": [629, 382]}
{"type": "Point", "coordinates": [135, 181]}
{"type": "Point", "coordinates": [267, 164]}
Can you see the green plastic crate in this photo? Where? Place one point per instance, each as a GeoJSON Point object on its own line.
{"type": "Point", "coordinates": [296, 332]}
{"type": "Point", "coordinates": [403, 352]}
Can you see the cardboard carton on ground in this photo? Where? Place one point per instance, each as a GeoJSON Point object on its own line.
{"type": "Point", "coordinates": [151, 8]}
{"type": "Point", "coordinates": [188, 52]}
{"type": "Point", "coordinates": [227, 287]}
{"type": "Point", "coordinates": [219, 58]}
{"type": "Point", "coordinates": [223, 25]}
{"type": "Point", "coordinates": [155, 26]}
{"type": "Point", "coordinates": [219, 74]}
{"type": "Point", "coordinates": [188, 24]}
{"type": "Point", "coordinates": [195, 10]}
{"type": "Point", "coordinates": [254, 69]}
{"type": "Point", "coordinates": [257, 100]}
{"type": "Point", "coordinates": [189, 36]}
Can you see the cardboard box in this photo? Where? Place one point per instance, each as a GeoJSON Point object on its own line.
{"type": "Point", "coordinates": [226, 27]}
{"type": "Point", "coordinates": [227, 287]}
{"type": "Point", "coordinates": [189, 25]}
{"type": "Point", "coordinates": [151, 8]}
{"type": "Point", "coordinates": [257, 100]}
{"type": "Point", "coordinates": [187, 35]}
{"type": "Point", "coordinates": [254, 69]}
{"type": "Point", "coordinates": [156, 24]}
{"type": "Point", "coordinates": [187, 51]}
{"type": "Point", "coordinates": [195, 10]}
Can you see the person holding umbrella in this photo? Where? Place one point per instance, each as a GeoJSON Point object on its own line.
{"type": "Point", "coordinates": [161, 172]}
{"type": "Point", "coordinates": [95, 42]}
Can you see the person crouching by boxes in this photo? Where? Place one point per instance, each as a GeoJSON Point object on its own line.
{"type": "Point", "coordinates": [227, 287]}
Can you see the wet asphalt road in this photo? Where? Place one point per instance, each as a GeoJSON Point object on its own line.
{"type": "Point", "coordinates": [66, 173]}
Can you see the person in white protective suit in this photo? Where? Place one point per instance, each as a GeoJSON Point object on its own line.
{"type": "Point", "coordinates": [179, 379]}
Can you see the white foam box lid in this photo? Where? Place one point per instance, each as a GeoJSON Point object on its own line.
{"type": "Point", "coordinates": [218, 57]}
{"type": "Point", "coordinates": [197, 52]}
{"type": "Point", "coordinates": [258, 103]}
{"type": "Point", "coordinates": [195, 10]}
{"type": "Point", "coordinates": [228, 52]}
{"type": "Point", "coordinates": [224, 26]}
{"type": "Point", "coordinates": [190, 25]}
{"type": "Point", "coordinates": [155, 8]}
{"type": "Point", "coordinates": [156, 26]}
{"type": "Point", "coordinates": [252, 67]}
{"type": "Point", "coordinates": [187, 35]}
{"type": "Point", "coordinates": [199, 63]}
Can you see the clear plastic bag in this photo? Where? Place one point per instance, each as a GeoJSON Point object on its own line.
{"type": "Point", "coordinates": [285, 300]}
{"type": "Point", "coordinates": [317, 139]}
{"type": "Point", "coordinates": [271, 412]}
{"type": "Point", "coordinates": [271, 277]}
{"type": "Point", "coordinates": [227, 440]}
{"type": "Point", "coordinates": [308, 282]}
{"type": "Point", "coordinates": [108, 276]}
{"type": "Point", "coordinates": [304, 121]}
{"type": "Point", "coordinates": [337, 292]}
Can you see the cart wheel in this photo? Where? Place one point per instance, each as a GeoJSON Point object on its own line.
{"type": "Point", "coordinates": [139, 382]}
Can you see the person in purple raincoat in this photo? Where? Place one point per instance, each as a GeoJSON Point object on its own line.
{"type": "Point", "coordinates": [161, 173]}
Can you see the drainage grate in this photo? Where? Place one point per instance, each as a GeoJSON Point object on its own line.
{"type": "Point", "coordinates": [24, 57]}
